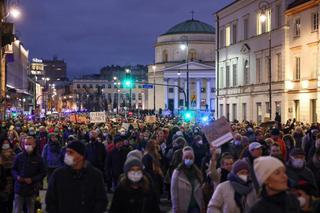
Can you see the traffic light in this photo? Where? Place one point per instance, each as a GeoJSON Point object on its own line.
{"type": "Point", "coordinates": [128, 83]}
{"type": "Point", "coordinates": [188, 116]}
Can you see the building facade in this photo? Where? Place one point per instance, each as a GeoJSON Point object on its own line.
{"type": "Point", "coordinates": [172, 63]}
{"type": "Point", "coordinates": [252, 44]}
{"type": "Point", "coordinates": [55, 69]}
{"type": "Point", "coordinates": [105, 95]}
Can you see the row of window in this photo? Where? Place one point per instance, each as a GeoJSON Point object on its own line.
{"type": "Point", "coordinates": [103, 86]}
{"type": "Point", "coordinates": [192, 55]}
{"type": "Point", "coordinates": [233, 115]}
{"type": "Point", "coordinates": [314, 24]}
{"type": "Point", "coordinates": [203, 90]}
{"type": "Point", "coordinates": [229, 33]}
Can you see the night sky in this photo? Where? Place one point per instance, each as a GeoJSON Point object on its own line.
{"type": "Point", "coordinates": [89, 34]}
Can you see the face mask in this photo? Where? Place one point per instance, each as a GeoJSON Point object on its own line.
{"type": "Point", "coordinates": [297, 163]}
{"type": "Point", "coordinates": [68, 160]}
{"type": "Point", "coordinates": [200, 142]}
{"type": "Point", "coordinates": [135, 176]}
{"type": "Point", "coordinates": [28, 148]}
{"type": "Point", "coordinates": [218, 151]}
{"type": "Point", "coordinates": [188, 162]}
{"type": "Point", "coordinates": [5, 146]}
{"type": "Point", "coordinates": [243, 177]}
{"type": "Point", "coordinates": [237, 143]}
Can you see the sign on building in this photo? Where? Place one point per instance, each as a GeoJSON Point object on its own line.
{"type": "Point", "coordinates": [97, 117]}
{"type": "Point", "coordinates": [37, 67]}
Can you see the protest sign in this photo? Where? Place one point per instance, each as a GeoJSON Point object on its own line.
{"type": "Point", "coordinates": [97, 117]}
{"type": "Point", "coordinates": [219, 132]}
{"type": "Point", "coordinates": [151, 119]}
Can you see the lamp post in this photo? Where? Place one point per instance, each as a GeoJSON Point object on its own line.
{"type": "Point", "coordinates": [264, 6]}
{"type": "Point", "coordinates": [45, 91]}
{"type": "Point", "coordinates": [183, 47]}
{"type": "Point", "coordinates": [154, 88]}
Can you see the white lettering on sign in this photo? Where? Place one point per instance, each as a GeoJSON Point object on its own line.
{"type": "Point", "coordinates": [37, 60]}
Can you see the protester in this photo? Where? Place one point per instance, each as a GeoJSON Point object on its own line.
{"type": "Point", "coordinates": [186, 193]}
{"type": "Point", "coordinates": [235, 195]}
{"type": "Point", "coordinates": [28, 172]}
{"type": "Point", "coordinates": [134, 194]}
{"type": "Point", "coordinates": [51, 154]}
{"type": "Point", "coordinates": [76, 187]}
{"type": "Point", "coordinates": [7, 156]}
{"type": "Point", "coordinates": [271, 176]}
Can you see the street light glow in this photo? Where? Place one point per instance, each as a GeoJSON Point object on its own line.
{"type": "Point", "coordinates": [154, 67]}
{"type": "Point", "coordinates": [15, 12]}
{"type": "Point", "coordinates": [183, 46]}
{"type": "Point", "coordinates": [263, 17]}
{"type": "Point", "coordinates": [127, 70]}
{"type": "Point", "coordinates": [115, 78]}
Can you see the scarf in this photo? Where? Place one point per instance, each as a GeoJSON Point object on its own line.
{"type": "Point", "coordinates": [241, 189]}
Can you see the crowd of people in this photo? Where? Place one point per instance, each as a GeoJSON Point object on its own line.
{"type": "Point", "coordinates": [272, 167]}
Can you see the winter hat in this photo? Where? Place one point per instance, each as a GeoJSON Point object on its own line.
{"type": "Point", "coordinates": [78, 147]}
{"type": "Point", "coordinates": [135, 153]}
{"type": "Point", "coordinates": [275, 132]}
{"type": "Point", "coordinates": [130, 162]}
{"type": "Point", "coordinates": [254, 145]}
{"type": "Point", "coordinates": [186, 150]}
{"type": "Point", "coordinates": [265, 166]}
{"type": "Point", "coordinates": [239, 165]}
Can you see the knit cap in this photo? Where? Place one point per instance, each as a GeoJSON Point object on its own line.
{"type": "Point", "coordinates": [186, 150]}
{"type": "Point", "coordinates": [131, 162]}
{"type": "Point", "coordinates": [265, 166]}
{"type": "Point", "coordinates": [78, 147]}
{"type": "Point", "coordinates": [135, 153]}
{"type": "Point", "coordinates": [239, 165]}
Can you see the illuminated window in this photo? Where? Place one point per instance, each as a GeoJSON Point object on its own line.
{"type": "Point", "coordinates": [228, 39]}
{"type": "Point", "coordinates": [297, 26]}
{"type": "Point", "coordinates": [192, 54]}
{"type": "Point", "coordinates": [264, 22]}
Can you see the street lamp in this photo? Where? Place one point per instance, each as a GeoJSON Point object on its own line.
{"type": "Point", "coordinates": [264, 6]}
{"type": "Point", "coordinates": [15, 12]}
{"type": "Point", "coordinates": [185, 47]}
{"type": "Point", "coordinates": [128, 83]}
{"type": "Point", "coordinates": [154, 67]}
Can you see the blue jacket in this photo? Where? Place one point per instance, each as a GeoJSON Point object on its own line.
{"type": "Point", "coordinates": [28, 166]}
{"type": "Point", "coordinates": [52, 157]}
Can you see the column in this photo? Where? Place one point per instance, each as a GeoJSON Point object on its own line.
{"type": "Point", "coordinates": [182, 83]}
{"type": "Point", "coordinates": [166, 81]}
{"type": "Point", "coordinates": [176, 97]}
{"type": "Point", "coordinates": [136, 92]}
{"type": "Point", "coordinates": [185, 90]}
{"type": "Point", "coordinates": [208, 89]}
{"type": "Point", "coordinates": [143, 100]}
{"type": "Point", "coordinates": [198, 90]}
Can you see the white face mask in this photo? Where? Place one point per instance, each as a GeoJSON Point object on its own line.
{"type": "Point", "coordinates": [302, 201]}
{"type": "Point", "coordinates": [200, 142]}
{"type": "Point", "coordinates": [68, 160]}
{"type": "Point", "coordinates": [5, 146]}
{"type": "Point", "coordinates": [135, 176]}
{"type": "Point", "coordinates": [243, 177]}
{"type": "Point", "coordinates": [28, 148]}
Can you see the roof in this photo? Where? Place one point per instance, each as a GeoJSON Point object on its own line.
{"type": "Point", "coordinates": [297, 3]}
{"type": "Point", "coordinates": [191, 26]}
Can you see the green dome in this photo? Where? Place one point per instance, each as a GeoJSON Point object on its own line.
{"type": "Point", "coordinates": [191, 26]}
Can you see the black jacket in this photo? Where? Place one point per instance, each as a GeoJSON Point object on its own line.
{"type": "Point", "coordinates": [96, 155]}
{"type": "Point", "coordinates": [129, 200]}
{"type": "Point", "coordinates": [280, 203]}
{"type": "Point", "coordinates": [76, 191]}
{"type": "Point", "coordinates": [116, 160]}
{"type": "Point", "coordinates": [28, 166]}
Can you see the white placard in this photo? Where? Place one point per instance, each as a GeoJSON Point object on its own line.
{"type": "Point", "coordinates": [97, 117]}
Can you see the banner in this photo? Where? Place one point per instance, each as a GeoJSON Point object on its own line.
{"type": "Point", "coordinates": [219, 132]}
{"type": "Point", "coordinates": [151, 119]}
{"type": "Point", "coordinates": [97, 117]}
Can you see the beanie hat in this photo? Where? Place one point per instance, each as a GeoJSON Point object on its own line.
{"type": "Point", "coordinates": [135, 153]}
{"type": "Point", "coordinates": [265, 166]}
{"type": "Point", "coordinates": [239, 165]}
{"type": "Point", "coordinates": [78, 147]}
{"type": "Point", "coordinates": [186, 150]}
{"type": "Point", "coordinates": [131, 162]}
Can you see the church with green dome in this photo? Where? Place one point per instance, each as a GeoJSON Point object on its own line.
{"type": "Point", "coordinates": [184, 58]}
